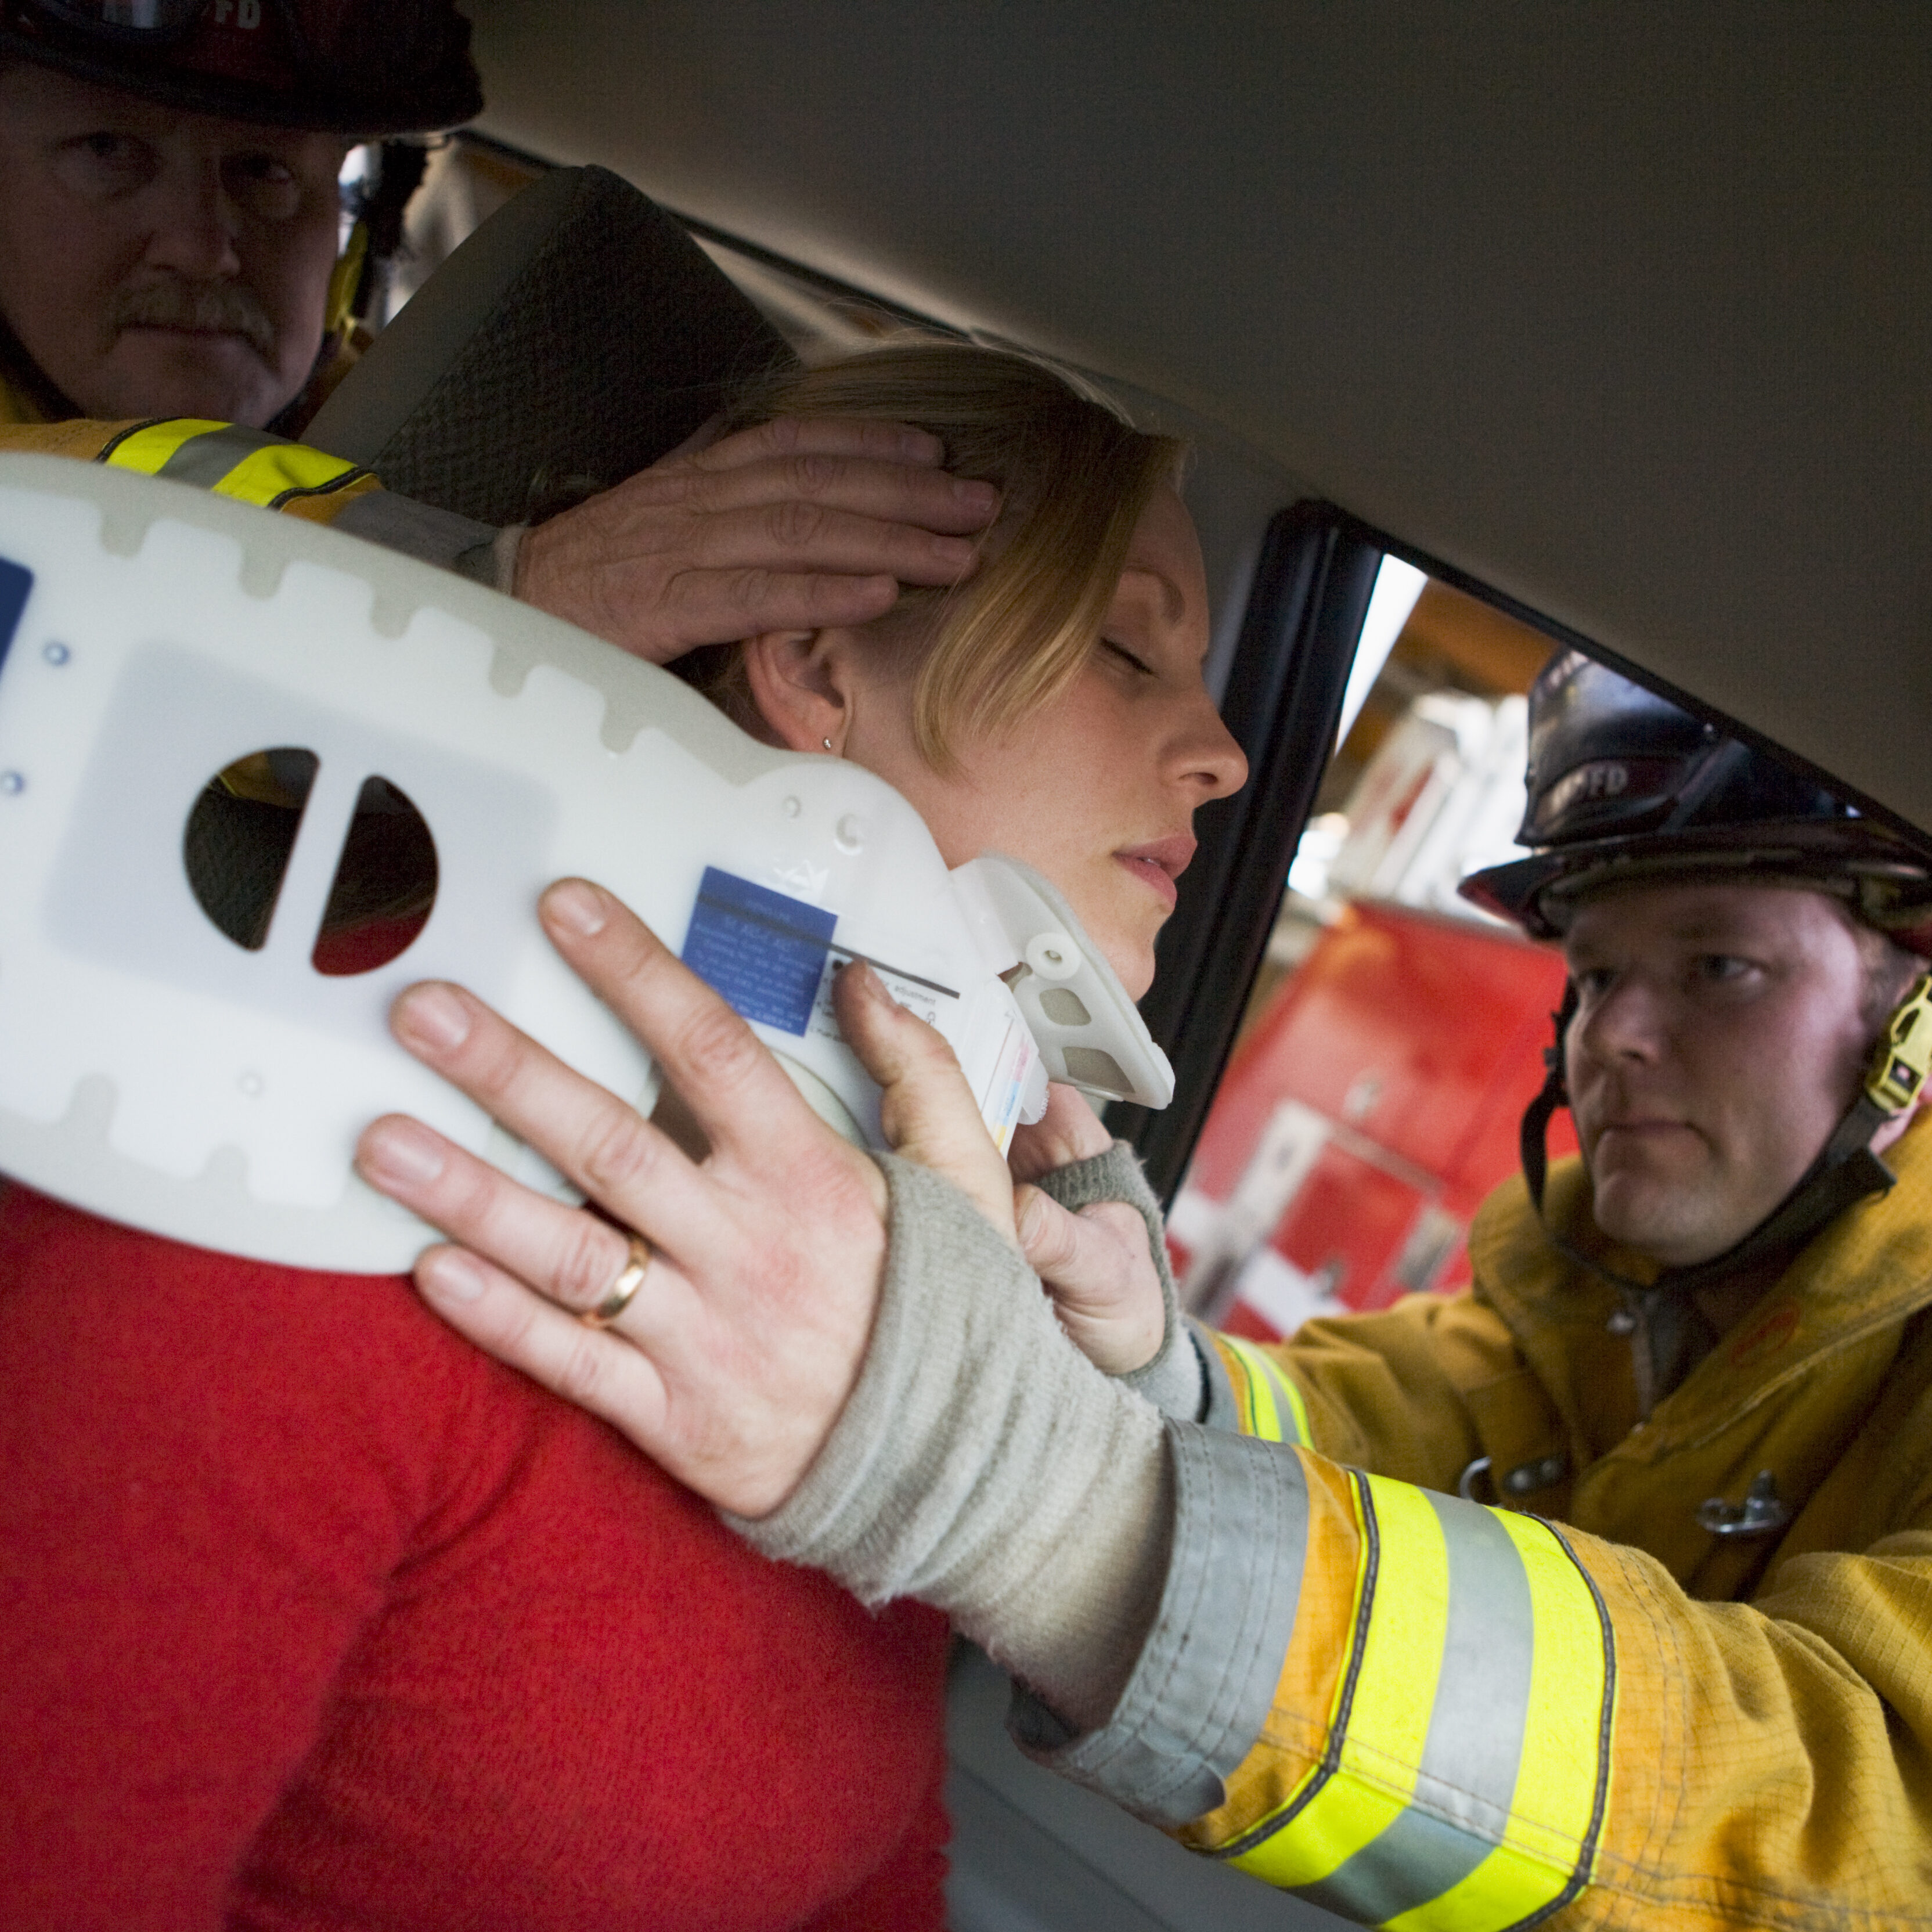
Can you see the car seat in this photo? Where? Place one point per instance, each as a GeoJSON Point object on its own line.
{"type": "Point", "coordinates": [576, 336]}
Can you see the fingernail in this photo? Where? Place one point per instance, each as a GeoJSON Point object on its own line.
{"type": "Point", "coordinates": [401, 1153]}
{"type": "Point", "coordinates": [869, 985]}
{"type": "Point", "coordinates": [955, 552]}
{"type": "Point", "coordinates": [451, 1275]}
{"type": "Point", "coordinates": [576, 906]}
{"type": "Point", "coordinates": [981, 497]}
{"type": "Point", "coordinates": [433, 1016]}
{"type": "Point", "coordinates": [1028, 1224]}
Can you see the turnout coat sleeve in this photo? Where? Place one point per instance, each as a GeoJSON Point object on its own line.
{"type": "Point", "coordinates": [1438, 1712]}
{"type": "Point", "coordinates": [256, 467]}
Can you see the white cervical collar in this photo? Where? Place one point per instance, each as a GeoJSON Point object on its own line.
{"type": "Point", "coordinates": [155, 1071]}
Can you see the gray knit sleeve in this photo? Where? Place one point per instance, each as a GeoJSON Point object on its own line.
{"type": "Point", "coordinates": [983, 1465]}
{"type": "Point", "coordinates": [1138, 1579]}
{"type": "Point", "coordinates": [947, 1358]}
{"type": "Point", "coordinates": [1174, 1381]}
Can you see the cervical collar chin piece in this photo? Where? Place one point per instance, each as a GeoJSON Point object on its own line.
{"type": "Point", "coordinates": [255, 778]}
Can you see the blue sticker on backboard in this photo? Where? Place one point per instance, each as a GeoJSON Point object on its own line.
{"type": "Point", "coordinates": [765, 953]}
{"type": "Point", "coordinates": [16, 580]}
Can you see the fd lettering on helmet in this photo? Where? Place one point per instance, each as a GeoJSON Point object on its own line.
{"type": "Point", "coordinates": [247, 14]}
{"type": "Point", "coordinates": [1605, 778]}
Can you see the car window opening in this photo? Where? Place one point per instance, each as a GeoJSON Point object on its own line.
{"type": "Point", "coordinates": [1394, 1032]}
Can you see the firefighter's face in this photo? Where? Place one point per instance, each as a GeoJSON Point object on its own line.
{"type": "Point", "coordinates": [1721, 1035]}
{"type": "Point", "coordinates": [155, 263]}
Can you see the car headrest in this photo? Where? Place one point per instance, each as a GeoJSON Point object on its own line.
{"type": "Point", "coordinates": [577, 335]}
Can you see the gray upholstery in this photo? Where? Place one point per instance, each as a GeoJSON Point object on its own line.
{"type": "Point", "coordinates": [578, 334]}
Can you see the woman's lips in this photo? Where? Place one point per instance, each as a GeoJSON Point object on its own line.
{"type": "Point", "coordinates": [1152, 876]}
{"type": "Point", "coordinates": [1159, 863]}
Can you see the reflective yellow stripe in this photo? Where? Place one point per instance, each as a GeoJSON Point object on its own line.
{"type": "Point", "coordinates": [271, 474]}
{"type": "Point", "coordinates": [1256, 1848]}
{"type": "Point", "coordinates": [1384, 1695]}
{"type": "Point", "coordinates": [229, 459]}
{"type": "Point", "coordinates": [147, 448]}
{"type": "Point", "coordinates": [1271, 1405]}
{"type": "Point", "coordinates": [1466, 1774]}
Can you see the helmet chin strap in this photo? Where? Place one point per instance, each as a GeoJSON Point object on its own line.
{"type": "Point", "coordinates": [1845, 1171]}
{"type": "Point", "coordinates": [1533, 1137]}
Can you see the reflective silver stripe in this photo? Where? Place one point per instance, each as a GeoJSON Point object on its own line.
{"type": "Point", "coordinates": [203, 461]}
{"type": "Point", "coordinates": [1474, 1746]}
{"type": "Point", "coordinates": [439, 537]}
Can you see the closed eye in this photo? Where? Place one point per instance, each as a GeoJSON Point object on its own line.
{"type": "Point", "coordinates": [1127, 657]}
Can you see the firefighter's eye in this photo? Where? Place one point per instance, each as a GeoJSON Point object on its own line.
{"type": "Point", "coordinates": [1718, 969]}
{"type": "Point", "coordinates": [105, 145]}
{"type": "Point", "coordinates": [265, 184]}
{"type": "Point", "coordinates": [1592, 982]}
{"type": "Point", "coordinates": [263, 167]}
{"type": "Point", "coordinates": [104, 162]}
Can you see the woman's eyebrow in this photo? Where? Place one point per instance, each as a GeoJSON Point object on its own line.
{"type": "Point", "coordinates": [1173, 604]}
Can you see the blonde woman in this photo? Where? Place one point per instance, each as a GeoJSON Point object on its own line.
{"type": "Point", "coordinates": [319, 1616]}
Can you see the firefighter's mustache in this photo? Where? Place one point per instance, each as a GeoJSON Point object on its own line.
{"type": "Point", "coordinates": [206, 308]}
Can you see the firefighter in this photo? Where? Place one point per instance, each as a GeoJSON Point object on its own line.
{"type": "Point", "coordinates": [169, 211]}
{"type": "Point", "coordinates": [1667, 1657]}
{"type": "Point", "coordinates": [168, 226]}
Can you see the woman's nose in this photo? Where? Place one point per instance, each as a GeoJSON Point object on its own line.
{"type": "Point", "coordinates": [1206, 753]}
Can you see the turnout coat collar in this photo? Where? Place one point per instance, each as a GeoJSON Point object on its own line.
{"type": "Point", "coordinates": [1807, 1387]}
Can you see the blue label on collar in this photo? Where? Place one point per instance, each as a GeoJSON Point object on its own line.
{"type": "Point", "coordinates": [16, 581]}
{"type": "Point", "coordinates": [764, 952]}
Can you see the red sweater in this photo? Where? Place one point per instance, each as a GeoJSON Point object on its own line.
{"type": "Point", "coordinates": [310, 1616]}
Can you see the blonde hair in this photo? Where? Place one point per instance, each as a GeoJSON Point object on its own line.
{"type": "Point", "coordinates": [1075, 477]}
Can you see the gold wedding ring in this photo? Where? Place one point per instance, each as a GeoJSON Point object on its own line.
{"type": "Point", "coordinates": [622, 1291]}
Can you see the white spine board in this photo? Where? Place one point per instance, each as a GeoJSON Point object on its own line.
{"type": "Point", "coordinates": [153, 1069]}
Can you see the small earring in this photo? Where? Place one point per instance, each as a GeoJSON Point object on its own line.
{"type": "Point", "coordinates": [828, 744]}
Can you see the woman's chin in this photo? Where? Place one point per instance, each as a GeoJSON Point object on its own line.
{"type": "Point", "coordinates": [1133, 966]}
{"type": "Point", "coordinates": [1122, 933]}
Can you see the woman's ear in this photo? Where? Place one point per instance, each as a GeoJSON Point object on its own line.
{"type": "Point", "coordinates": [803, 683]}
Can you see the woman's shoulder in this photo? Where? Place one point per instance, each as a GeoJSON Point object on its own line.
{"type": "Point", "coordinates": [61, 1266]}
{"type": "Point", "coordinates": [139, 1340]}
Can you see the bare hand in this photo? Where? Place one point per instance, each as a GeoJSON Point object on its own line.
{"type": "Point", "coordinates": [732, 1362]}
{"type": "Point", "coordinates": [800, 523]}
{"type": "Point", "coordinates": [1095, 1265]}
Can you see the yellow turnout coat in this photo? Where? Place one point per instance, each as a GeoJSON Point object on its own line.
{"type": "Point", "coordinates": [1588, 1706]}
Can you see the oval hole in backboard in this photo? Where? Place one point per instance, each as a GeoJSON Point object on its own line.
{"type": "Point", "coordinates": [385, 884]}
{"type": "Point", "coordinates": [240, 835]}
